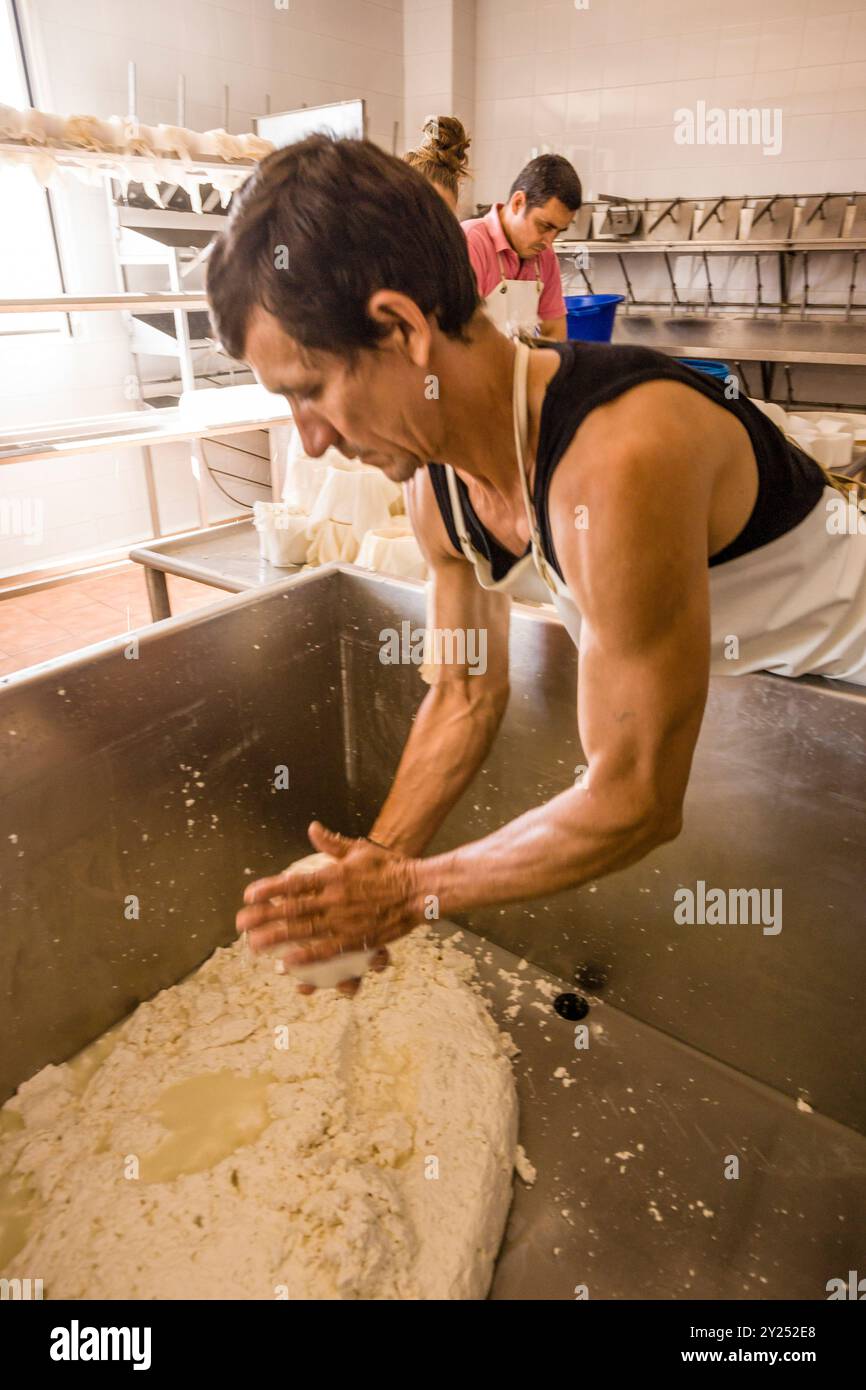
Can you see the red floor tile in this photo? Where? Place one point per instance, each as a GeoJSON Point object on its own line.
{"type": "Point", "coordinates": [66, 617]}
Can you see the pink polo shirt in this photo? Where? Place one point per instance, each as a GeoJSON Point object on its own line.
{"type": "Point", "coordinates": [486, 241]}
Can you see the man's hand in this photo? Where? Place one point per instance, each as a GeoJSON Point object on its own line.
{"type": "Point", "coordinates": [364, 899]}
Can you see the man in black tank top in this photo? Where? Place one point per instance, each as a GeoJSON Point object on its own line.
{"type": "Point", "coordinates": [368, 322]}
{"type": "Point", "coordinates": [790, 483]}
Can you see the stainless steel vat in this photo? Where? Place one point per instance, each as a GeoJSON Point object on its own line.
{"type": "Point", "coordinates": [708, 1034]}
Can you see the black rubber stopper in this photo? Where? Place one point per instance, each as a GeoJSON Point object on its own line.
{"type": "Point", "coordinates": [571, 1006]}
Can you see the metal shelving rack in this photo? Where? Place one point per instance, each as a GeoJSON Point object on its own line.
{"type": "Point", "coordinates": [170, 323]}
{"type": "Point", "coordinates": [770, 332]}
{"type": "Point", "coordinates": [169, 240]}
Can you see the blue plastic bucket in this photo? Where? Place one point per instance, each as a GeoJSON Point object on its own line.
{"type": "Point", "coordinates": [709, 366]}
{"type": "Point", "coordinates": [590, 316]}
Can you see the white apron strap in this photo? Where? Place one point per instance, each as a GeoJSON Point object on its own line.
{"type": "Point", "coordinates": [521, 440]}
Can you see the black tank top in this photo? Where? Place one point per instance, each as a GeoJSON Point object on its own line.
{"type": "Point", "coordinates": [790, 483]}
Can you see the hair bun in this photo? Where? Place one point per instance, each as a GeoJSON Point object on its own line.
{"type": "Point", "coordinates": [445, 140]}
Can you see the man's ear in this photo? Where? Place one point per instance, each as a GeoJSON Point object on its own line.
{"type": "Point", "coordinates": [409, 331]}
{"type": "Point", "coordinates": [518, 202]}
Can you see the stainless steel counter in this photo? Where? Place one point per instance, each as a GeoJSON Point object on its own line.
{"type": "Point", "coordinates": [744, 338]}
{"type": "Point", "coordinates": [225, 557]}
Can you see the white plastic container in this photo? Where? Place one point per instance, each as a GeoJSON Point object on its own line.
{"type": "Point", "coordinates": [833, 451]}
{"type": "Point", "coordinates": [773, 412]}
{"type": "Point", "coordinates": [827, 438]}
{"type": "Point", "coordinates": [283, 533]}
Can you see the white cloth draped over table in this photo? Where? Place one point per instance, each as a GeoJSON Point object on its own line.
{"type": "Point", "coordinates": [343, 498]}
{"type": "Point", "coordinates": [353, 499]}
{"type": "Point", "coordinates": [393, 549]}
{"type": "Point", "coordinates": [304, 475]}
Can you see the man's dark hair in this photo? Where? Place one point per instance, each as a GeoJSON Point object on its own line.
{"type": "Point", "coordinates": [548, 176]}
{"type": "Point", "coordinates": [317, 229]}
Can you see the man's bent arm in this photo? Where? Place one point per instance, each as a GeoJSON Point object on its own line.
{"type": "Point", "coordinates": [639, 575]}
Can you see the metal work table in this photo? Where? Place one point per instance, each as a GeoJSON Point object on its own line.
{"type": "Point", "coordinates": [745, 337]}
{"type": "Point", "coordinates": [226, 557]}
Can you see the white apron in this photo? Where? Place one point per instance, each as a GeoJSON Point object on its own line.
{"type": "Point", "coordinates": [513, 305]}
{"type": "Point", "coordinates": [796, 606]}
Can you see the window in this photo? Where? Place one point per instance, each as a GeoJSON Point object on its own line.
{"type": "Point", "coordinates": [29, 261]}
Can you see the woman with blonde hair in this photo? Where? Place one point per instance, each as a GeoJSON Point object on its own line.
{"type": "Point", "coordinates": [441, 157]}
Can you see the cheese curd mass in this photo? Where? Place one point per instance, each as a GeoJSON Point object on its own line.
{"type": "Point", "coordinates": [234, 1139]}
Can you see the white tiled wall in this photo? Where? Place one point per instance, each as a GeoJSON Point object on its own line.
{"type": "Point", "coordinates": [439, 46]}
{"type": "Point", "coordinates": [303, 51]}
{"type": "Point", "coordinates": [299, 51]}
{"type": "Point", "coordinates": [600, 84]}
{"type": "Point", "coordinates": [428, 63]}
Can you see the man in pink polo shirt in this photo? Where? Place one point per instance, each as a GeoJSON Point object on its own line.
{"type": "Point", "coordinates": [511, 248]}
